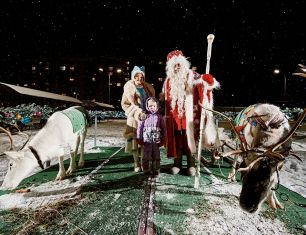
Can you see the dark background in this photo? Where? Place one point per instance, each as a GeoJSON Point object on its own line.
{"type": "Point", "coordinates": [252, 38]}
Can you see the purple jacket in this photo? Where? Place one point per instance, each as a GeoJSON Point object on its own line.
{"type": "Point", "coordinates": [153, 129]}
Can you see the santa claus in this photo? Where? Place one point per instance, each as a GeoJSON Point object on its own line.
{"type": "Point", "coordinates": [184, 92]}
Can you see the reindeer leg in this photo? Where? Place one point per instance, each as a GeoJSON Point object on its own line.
{"type": "Point", "coordinates": [61, 172]}
{"type": "Point", "coordinates": [81, 160]}
{"type": "Point", "coordinates": [273, 202]}
{"type": "Point", "coordinates": [277, 203]}
{"type": "Point", "coordinates": [72, 165]}
{"type": "Point", "coordinates": [215, 155]}
{"type": "Point", "coordinates": [231, 176]}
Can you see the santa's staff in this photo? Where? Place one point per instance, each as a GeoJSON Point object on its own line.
{"type": "Point", "coordinates": [210, 39]}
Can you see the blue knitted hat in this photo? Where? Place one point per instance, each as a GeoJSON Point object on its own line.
{"type": "Point", "coordinates": [136, 70]}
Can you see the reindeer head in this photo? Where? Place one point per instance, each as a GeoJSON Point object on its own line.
{"type": "Point", "coordinates": [21, 164]}
{"type": "Point", "coordinates": [258, 179]}
{"type": "Point", "coordinates": [261, 172]}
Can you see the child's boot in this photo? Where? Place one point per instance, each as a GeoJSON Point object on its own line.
{"type": "Point", "coordinates": [156, 169]}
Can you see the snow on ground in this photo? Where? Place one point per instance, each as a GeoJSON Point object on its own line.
{"type": "Point", "coordinates": [225, 218]}
{"type": "Point", "coordinates": [223, 215]}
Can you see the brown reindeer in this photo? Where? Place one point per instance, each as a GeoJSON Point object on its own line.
{"type": "Point", "coordinates": [263, 156]}
{"type": "Point", "coordinates": [260, 167]}
{"type": "Point", "coordinates": [260, 176]}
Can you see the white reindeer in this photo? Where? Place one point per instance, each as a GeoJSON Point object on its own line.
{"type": "Point", "coordinates": [64, 129]}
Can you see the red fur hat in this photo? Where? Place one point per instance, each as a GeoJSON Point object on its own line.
{"type": "Point", "coordinates": [174, 53]}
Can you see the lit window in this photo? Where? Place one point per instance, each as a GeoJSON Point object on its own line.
{"type": "Point", "coordinates": [63, 68]}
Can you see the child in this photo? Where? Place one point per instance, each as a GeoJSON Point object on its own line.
{"type": "Point", "coordinates": [151, 133]}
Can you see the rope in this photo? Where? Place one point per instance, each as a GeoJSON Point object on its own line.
{"type": "Point", "coordinates": [103, 163]}
{"type": "Point", "coordinates": [285, 198]}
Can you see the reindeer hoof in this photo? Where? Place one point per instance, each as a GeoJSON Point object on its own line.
{"type": "Point", "coordinates": [60, 178]}
{"type": "Point", "coordinates": [280, 206]}
{"type": "Point", "coordinates": [216, 157]}
{"type": "Point", "coordinates": [70, 171]}
{"type": "Point", "coordinates": [81, 164]}
{"type": "Point", "coordinates": [231, 178]}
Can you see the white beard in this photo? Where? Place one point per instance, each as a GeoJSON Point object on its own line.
{"type": "Point", "coordinates": [178, 83]}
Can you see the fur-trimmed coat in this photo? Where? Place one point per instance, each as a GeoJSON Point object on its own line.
{"type": "Point", "coordinates": [198, 90]}
{"type": "Point", "coordinates": [130, 104]}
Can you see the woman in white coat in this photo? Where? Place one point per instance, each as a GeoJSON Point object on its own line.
{"type": "Point", "coordinates": [135, 93]}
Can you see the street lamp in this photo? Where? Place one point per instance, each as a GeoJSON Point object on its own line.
{"type": "Point", "coordinates": [76, 94]}
{"type": "Point", "coordinates": [277, 71]}
{"type": "Point", "coordinates": [109, 86]}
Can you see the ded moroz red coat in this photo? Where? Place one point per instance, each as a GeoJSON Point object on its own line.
{"type": "Point", "coordinates": [198, 91]}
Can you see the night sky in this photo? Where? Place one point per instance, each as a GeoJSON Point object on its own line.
{"type": "Point", "coordinates": [252, 38]}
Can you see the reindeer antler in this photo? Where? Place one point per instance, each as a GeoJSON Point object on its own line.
{"type": "Point", "coordinates": [301, 72]}
{"type": "Point", "coordinates": [271, 151]}
{"type": "Point", "coordinates": [291, 132]}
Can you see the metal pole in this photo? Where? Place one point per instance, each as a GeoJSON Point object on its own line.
{"type": "Point", "coordinates": [109, 75]}
{"type": "Point", "coordinates": [95, 143]}
{"type": "Point", "coordinates": [285, 88]}
{"type": "Point", "coordinates": [210, 39]}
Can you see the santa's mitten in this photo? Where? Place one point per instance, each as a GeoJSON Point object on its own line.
{"type": "Point", "coordinates": [208, 78]}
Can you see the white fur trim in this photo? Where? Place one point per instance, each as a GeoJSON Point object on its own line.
{"type": "Point", "coordinates": [189, 122]}
{"type": "Point", "coordinates": [185, 65]}
{"type": "Point", "coordinates": [135, 72]}
{"type": "Point", "coordinates": [132, 114]}
{"type": "Point", "coordinates": [189, 113]}
{"type": "Point", "coordinates": [129, 90]}
{"type": "Point", "coordinates": [216, 84]}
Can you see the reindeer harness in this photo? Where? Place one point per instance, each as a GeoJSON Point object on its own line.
{"type": "Point", "coordinates": [245, 117]}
